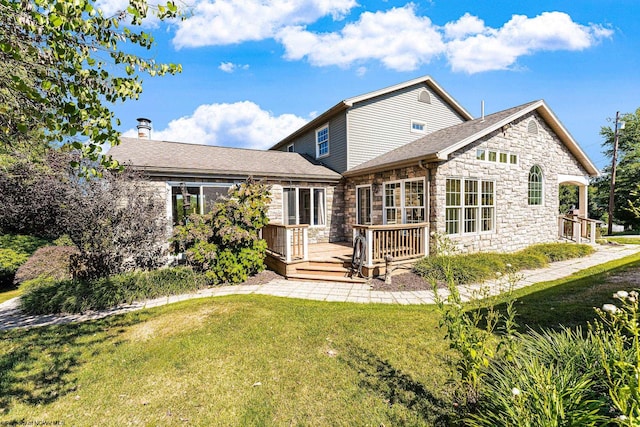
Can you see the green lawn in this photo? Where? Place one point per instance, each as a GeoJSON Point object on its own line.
{"type": "Point", "coordinates": [259, 360]}
{"type": "Point", "coordinates": [7, 294]}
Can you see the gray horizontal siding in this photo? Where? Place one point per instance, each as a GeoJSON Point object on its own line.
{"type": "Point", "coordinates": [337, 158]}
{"type": "Point", "coordinates": [383, 123]}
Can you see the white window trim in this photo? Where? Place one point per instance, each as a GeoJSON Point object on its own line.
{"type": "Point", "coordinates": [318, 156]}
{"type": "Point", "coordinates": [420, 123]}
{"type": "Point", "coordinates": [291, 148]}
{"type": "Point", "coordinates": [312, 205]}
{"type": "Point", "coordinates": [479, 207]}
{"type": "Point", "coordinates": [370, 202]}
{"type": "Point", "coordinates": [497, 161]}
{"type": "Point", "coordinates": [403, 207]}
{"type": "Point", "coordinates": [542, 188]}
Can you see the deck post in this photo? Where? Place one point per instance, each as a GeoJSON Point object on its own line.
{"type": "Point", "coordinates": [577, 231]}
{"type": "Point", "coordinates": [369, 247]}
{"type": "Point", "coordinates": [561, 226]}
{"type": "Point", "coordinates": [425, 241]}
{"type": "Point", "coordinates": [305, 244]}
{"type": "Point", "coordinates": [287, 246]}
{"type": "Point", "coordinates": [592, 233]}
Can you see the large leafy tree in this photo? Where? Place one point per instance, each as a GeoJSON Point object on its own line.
{"type": "Point", "coordinates": [64, 65]}
{"type": "Point", "coordinates": [627, 190]}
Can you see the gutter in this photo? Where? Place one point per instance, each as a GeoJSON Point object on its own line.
{"type": "Point", "coordinates": [195, 173]}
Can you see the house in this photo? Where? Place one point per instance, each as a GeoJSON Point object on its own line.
{"type": "Point", "coordinates": [393, 166]}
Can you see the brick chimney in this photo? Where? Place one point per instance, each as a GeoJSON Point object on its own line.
{"type": "Point", "coordinates": [144, 128]}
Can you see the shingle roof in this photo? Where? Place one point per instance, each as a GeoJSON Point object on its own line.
{"type": "Point", "coordinates": [164, 157]}
{"type": "Point", "coordinates": [438, 145]}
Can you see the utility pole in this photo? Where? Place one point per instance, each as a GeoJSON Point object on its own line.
{"type": "Point", "coordinates": [613, 174]}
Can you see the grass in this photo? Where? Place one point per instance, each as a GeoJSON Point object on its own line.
{"type": "Point", "coordinates": [570, 301]}
{"type": "Point", "coordinates": [242, 360]}
{"type": "Point", "coordinates": [260, 360]}
{"type": "Point", "coordinates": [631, 240]}
{"type": "Point", "coordinates": [7, 294]}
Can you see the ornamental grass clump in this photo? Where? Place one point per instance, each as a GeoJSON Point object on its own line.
{"type": "Point", "coordinates": [553, 379]}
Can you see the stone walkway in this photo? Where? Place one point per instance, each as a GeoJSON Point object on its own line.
{"type": "Point", "coordinates": [11, 316]}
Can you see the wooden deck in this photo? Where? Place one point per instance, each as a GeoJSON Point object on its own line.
{"type": "Point", "coordinates": [290, 253]}
{"type": "Point", "coordinates": [329, 251]}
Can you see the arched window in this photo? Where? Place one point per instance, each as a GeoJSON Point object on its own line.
{"type": "Point", "coordinates": [532, 127]}
{"type": "Point", "coordinates": [535, 185]}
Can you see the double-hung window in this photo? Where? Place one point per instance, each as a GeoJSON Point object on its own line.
{"type": "Point", "coordinates": [322, 141]}
{"type": "Point", "coordinates": [404, 202]}
{"type": "Point", "coordinates": [470, 206]}
{"type": "Point", "coordinates": [304, 206]}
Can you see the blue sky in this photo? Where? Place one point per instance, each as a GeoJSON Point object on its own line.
{"type": "Point", "coordinates": [255, 70]}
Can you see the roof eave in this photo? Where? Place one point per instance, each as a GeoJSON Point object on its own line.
{"type": "Point", "coordinates": [199, 173]}
{"type": "Point", "coordinates": [428, 158]}
{"type": "Point", "coordinates": [570, 143]}
{"type": "Point", "coordinates": [317, 122]}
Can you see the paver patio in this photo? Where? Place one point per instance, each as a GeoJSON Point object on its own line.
{"type": "Point", "coordinates": [11, 316]}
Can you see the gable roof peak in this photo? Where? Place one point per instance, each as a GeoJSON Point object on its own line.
{"type": "Point", "coordinates": [349, 102]}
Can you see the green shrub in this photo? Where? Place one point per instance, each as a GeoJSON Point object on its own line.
{"type": "Point", "coordinates": [10, 261]}
{"type": "Point", "coordinates": [478, 267]}
{"type": "Point", "coordinates": [44, 295]}
{"type": "Point", "coordinates": [225, 244]}
{"type": "Point", "coordinates": [48, 261]}
{"type": "Point", "coordinates": [554, 378]}
{"type": "Point", "coordinates": [22, 243]}
{"type": "Point", "coordinates": [559, 251]}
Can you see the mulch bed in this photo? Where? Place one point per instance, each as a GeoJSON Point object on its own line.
{"type": "Point", "coordinates": [408, 281]}
{"type": "Point", "coordinates": [262, 278]}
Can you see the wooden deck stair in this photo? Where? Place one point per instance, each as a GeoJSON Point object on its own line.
{"type": "Point", "coordinates": [327, 262]}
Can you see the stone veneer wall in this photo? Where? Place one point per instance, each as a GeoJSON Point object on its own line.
{"type": "Point", "coordinates": [377, 199]}
{"type": "Point", "coordinates": [517, 224]}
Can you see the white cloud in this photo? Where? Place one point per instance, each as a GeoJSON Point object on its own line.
{"type": "Point", "coordinates": [230, 67]}
{"type": "Point", "coordinates": [398, 38]}
{"type": "Point", "coordinates": [499, 49]}
{"type": "Point", "coordinates": [113, 7]}
{"type": "Point", "coordinates": [222, 22]}
{"type": "Point", "coordinates": [467, 24]}
{"type": "Point", "coordinates": [241, 124]}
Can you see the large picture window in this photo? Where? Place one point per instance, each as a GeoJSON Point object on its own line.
{"type": "Point", "coordinates": [535, 185]}
{"type": "Point", "coordinates": [404, 202]}
{"type": "Point", "coordinates": [187, 199]}
{"type": "Point", "coordinates": [470, 206]}
{"type": "Point", "coordinates": [304, 206]}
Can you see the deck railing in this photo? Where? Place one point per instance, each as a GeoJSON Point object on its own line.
{"type": "Point", "coordinates": [402, 241]}
{"type": "Point", "coordinates": [290, 242]}
{"type": "Point", "coordinates": [577, 229]}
